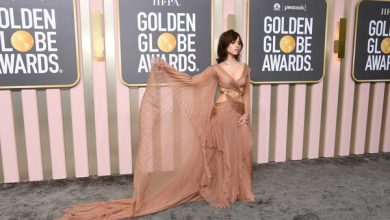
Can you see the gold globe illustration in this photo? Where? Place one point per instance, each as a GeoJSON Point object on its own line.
{"type": "Point", "coordinates": [385, 45]}
{"type": "Point", "coordinates": [287, 44]}
{"type": "Point", "coordinates": [22, 41]}
{"type": "Point", "coordinates": [166, 42]}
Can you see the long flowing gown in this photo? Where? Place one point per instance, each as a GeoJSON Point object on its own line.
{"type": "Point", "coordinates": [190, 147]}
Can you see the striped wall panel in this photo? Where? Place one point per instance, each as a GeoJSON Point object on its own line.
{"type": "Point", "coordinates": [92, 128]}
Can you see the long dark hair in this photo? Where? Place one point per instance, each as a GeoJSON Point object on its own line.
{"type": "Point", "coordinates": [225, 39]}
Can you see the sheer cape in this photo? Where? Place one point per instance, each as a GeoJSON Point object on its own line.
{"type": "Point", "coordinates": [170, 166]}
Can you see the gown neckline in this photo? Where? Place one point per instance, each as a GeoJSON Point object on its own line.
{"type": "Point", "coordinates": [236, 81]}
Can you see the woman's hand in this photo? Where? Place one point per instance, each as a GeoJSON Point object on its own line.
{"type": "Point", "coordinates": [243, 122]}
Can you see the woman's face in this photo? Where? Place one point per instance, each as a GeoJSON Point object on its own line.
{"type": "Point", "coordinates": [234, 47]}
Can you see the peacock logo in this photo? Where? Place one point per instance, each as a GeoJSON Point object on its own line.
{"type": "Point", "coordinates": [276, 7]}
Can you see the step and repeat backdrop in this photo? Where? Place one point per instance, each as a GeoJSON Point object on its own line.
{"type": "Point", "coordinates": [287, 40]}
{"type": "Point", "coordinates": [65, 113]}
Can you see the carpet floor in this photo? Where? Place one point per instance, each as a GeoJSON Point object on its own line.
{"type": "Point", "coordinates": [353, 187]}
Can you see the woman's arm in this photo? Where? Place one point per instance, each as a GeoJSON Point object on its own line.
{"type": "Point", "coordinates": [197, 79]}
{"type": "Point", "coordinates": [243, 122]}
{"type": "Point", "coordinates": [203, 76]}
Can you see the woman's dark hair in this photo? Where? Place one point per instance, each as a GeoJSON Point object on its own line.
{"type": "Point", "coordinates": [225, 39]}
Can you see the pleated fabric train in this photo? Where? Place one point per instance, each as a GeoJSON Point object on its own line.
{"type": "Point", "coordinates": [190, 148]}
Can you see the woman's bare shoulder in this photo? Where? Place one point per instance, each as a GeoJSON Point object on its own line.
{"type": "Point", "coordinates": [246, 66]}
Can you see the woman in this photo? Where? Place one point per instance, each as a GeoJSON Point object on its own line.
{"type": "Point", "coordinates": [191, 147]}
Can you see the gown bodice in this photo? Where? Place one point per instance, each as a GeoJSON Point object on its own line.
{"type": "Point", "coordinates": [228, 85]}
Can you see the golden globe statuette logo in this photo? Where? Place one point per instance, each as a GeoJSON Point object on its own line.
{"type": "Point", "coordinates": [22, 41]}
{"type": "Point", "coordinates": [166, 42]}
{"type": "Point", "coordinates": [287, 44]}
{"type": "Point", "coordinates": [385, 45]}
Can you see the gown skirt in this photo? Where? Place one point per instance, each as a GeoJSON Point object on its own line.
{"type": "Point", "coordinates": [229, 156]}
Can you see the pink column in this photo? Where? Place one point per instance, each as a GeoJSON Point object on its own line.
{"type": "Point", "coordinates": [282, 103]}
{"type": "Point", "coordinates": [360, 120]}
{"type": "Point", "coordinates": [124, 129]}
{"type": "Point", "coordinates": [245, 32]}
{"type": "Point", "coordinates": [56, 133]}
{"type": "Point", "coordinates": [123, 111]}
{"type": "Point", "coordinates": [32, 134]}
{"type": "Point", "coordinates": [101, 118]}
{"type": "Point", "coordinates": [332, 80]}
{"type": "Point", "coordinates": [375, 119]}
{"type": "Point", "coordinates": [313, 136]}
{"type": "Point", "coordinates": [101, 108]}
{"type": "Point", "coordinates": [263, 122]}
{"type": "Point", "coordinates": [347, 88]}
{"type": "Point", "coordinates": [228, 8]}
{"type": "Point", "coordinates": [7, 138]}
{"type": "Point", "coordinates": [386, 123]}
{"type": "Point", "coordinates": [77, 103]}
{"type": "Point", "coordinates": [79, 130]}
{"type": "Point", "coordinates": [298, 121]}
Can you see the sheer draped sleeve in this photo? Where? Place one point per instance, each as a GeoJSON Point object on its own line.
{"type": "Point", "coordinates": [174, 114]}
{"type": "Point", "coordinates": [192, 94]}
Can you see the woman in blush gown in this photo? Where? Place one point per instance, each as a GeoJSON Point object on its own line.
{"type": "Point", "coordinates": [193, 146]}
